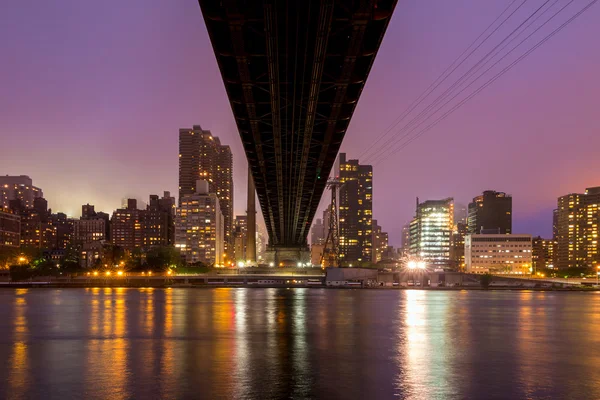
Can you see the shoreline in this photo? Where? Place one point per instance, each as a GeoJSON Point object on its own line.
{"type": "Point", "coordinates": [103, 285]}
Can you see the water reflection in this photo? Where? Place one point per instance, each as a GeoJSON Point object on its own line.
{"type": "Point", "coordinates": [298, 343]}
{"type": "Point", "coordinates": [19, 378]}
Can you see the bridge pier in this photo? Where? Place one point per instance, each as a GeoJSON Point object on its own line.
{"type": "Point", "coordinates": [287, 256]}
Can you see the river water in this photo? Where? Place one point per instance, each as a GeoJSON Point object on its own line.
{"type": "Point", "coordinates": [252, 343]}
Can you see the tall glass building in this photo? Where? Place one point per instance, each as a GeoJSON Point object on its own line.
{"type": "Point", "coordinates": [431, 231]}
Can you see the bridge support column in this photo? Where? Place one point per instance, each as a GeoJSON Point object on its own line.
{"type": "Point", "coordinates": [287, 256]}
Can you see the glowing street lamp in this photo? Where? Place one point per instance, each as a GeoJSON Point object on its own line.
{"type": "Point", "coordinates": [271, 264]}
{"type": "Point", "coordinates": [421, 265]}
{"type": "Point", "coordinates": [120, 273]}
{"type": "Point", "coordinates": [95, 273]}
{"type": "Point", "coordinates": [169, 272]}
{"type": "Point", "coordinates": [241, 264]}
{"type": "Point", "coordinates": [412, 265]}
{"type": "Point", "coordinates": [107, 273]}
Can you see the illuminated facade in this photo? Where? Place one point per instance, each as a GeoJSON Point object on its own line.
{"type": "Point", "coordinates": [202, 156]}
{"type": "Point", "coordinates": [157, 220]}
{"type": "Point", "coordinates": [577, 220]}
{"type": "Point", "coordinates": [380, 242]}
{"type": "Point", "coordinates": [355, 211]}
{"type": "Point", "coordinates": [126, 227]}
{"type": "Point", "coordinates": [490, 212]}
{"type": "Point", "coordinates": [240, 232]}
{"type": "Point", "coordinates": [18, 188]}
{"type": "Point", "coordinates": [199, 227]}
{"type": "Point", "coordinates": [457, 248]}
{"type": "Point", "coordinates": [430, 232]}
{"type": "Point", "coordinates": [543, 253]}
{"type": "Point", "coordinates": [10, 229]}
{"type": "Point", "coordinates": [89, 230]}
{"type": "Point", "coordinates": [64, 230]}
{"type": "Point", "coordinates": [498, 254]}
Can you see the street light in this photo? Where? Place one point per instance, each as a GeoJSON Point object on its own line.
{"type": "Point", "coordinates": [120, 273]}
{"type": "Point", "coordinates": [421, 265]}
{"type": "Point", "coordinates": [271, 264]}
{"type": "Point", "coordinates": [107, 273]}
{"type": "Point", "coordinates": [412, 265]}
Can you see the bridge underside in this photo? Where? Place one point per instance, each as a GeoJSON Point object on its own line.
{"type": "Point", "coordinates": [293, 72]}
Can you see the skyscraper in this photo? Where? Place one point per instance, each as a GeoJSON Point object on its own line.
{"type": "Point", "coordinates": [355, 210]}
{"type": "Point", "coordinates": [431, 230]}
{"type": "Point", "coordinates": [199, 227]}
{"type": "Point", "coordinates": [457, 246]}
{"type": "Point", "coordinates": [18, 188]}
{"type": "Point", "coordinates": [578, 217]}
{"type": "Point", "coordinates": [317, 233]}
{"type": "Point", "coordinates": [380, 242]}
{"type": "Point", "coordinates": [491, 213]}
{"type": "Point", "coordinates": [543, 253]}
{"type": "Point", "coordinates": [202, 156]}
{"type": "Point", "coordinates": [240, 232]}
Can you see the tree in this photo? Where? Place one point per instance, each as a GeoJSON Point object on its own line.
{"type": "Point", "coordinates": [20, 272]}
{"type": "Point", "coordinates": [162, 257]}
{"type": "Point", "coordinates": [485, 280]}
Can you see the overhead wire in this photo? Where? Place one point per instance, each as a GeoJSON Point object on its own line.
{"type": "Point", "coordinates": [490, 81]}
{"type": "Point", "coordinates": [474, 68]}
{"type": "Point", "coordinates": [444, 75]}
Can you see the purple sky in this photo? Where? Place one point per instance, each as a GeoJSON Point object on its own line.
{"type": "Point", "coordinates": [93, 94]}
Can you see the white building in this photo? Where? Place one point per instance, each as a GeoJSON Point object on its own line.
{"type": "Point", "coordinates": [498, 254]}
{"type": "Point", "coordinates": [199, 227]}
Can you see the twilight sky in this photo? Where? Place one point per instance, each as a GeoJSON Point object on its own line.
{"type": "Point", "coordinates": [92, 94]}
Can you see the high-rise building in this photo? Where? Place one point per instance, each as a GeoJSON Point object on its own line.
{"type": "Point", "coordinates": [36, 231]}
{"type": "Point", "coordinates": [126, 227]}
{"type": "Point", "coordinates": [88, 211]}
{"type": "Point", "coordinates": [457, 246]}
{"type": "Point", "coordinates": [461, 214]}
{"type": "Point", "coordinates": [555, 224]}
{"type": "Point", "coordinates": [10, 229]}
{"type": "Point", "coordinates": [498, 253]}
{"type": "Point", "coordinates": [543, 253]}
{"type": "Point", "coordinates": [355, 211]}
{"type": "Point", "coordinates": [89, 230]}
{"type": "Point", "coordinates": [18, 188]}
{"type": "Point", "coordinates": [405, 240]}
{"type": "Point", "coordinates": [431, 230]}
{"type": "Point", "coordinates": [199, 226]}
{"type": "Point", "coordinates": [202, 156]}
{"type": "Point", "coordinates": [380, 242]}
{"type": "Point", "coordinates": [240, 232]}
{"type": "Point", "coordinates": [578, 217]}
{"type": "Point", "coordinates": [317, 233]}
{"type": "Point", "coordinates": [490, 212]}
{"type": "Point", "coordinates": [157, 221]}
{"type": "Point", "coordinates": [64, 230]}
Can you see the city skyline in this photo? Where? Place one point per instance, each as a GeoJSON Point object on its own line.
{"type": "Point", "coordinates": [117, 131]}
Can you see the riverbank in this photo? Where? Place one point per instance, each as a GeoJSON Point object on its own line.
{"type": "Point", "coordinates": [165, 285]}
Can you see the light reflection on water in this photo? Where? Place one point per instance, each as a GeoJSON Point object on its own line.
{"type": "Point", "coordinates": [241, 343]}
